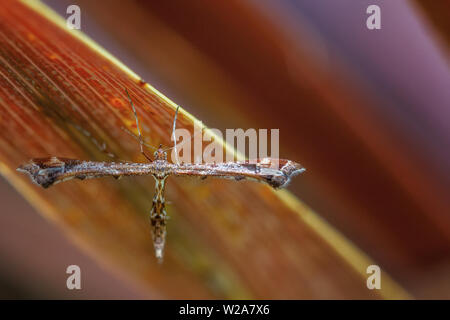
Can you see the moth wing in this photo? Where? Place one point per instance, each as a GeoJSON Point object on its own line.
{"type": "Point", "coordinates": [275, 172]}
{"type": "Point", "coordinates": [49, 171]}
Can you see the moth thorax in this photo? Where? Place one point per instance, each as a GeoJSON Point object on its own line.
{"type": "Point", "coordinates": [160, 154]}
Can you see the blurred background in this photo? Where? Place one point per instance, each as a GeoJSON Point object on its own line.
{"type": "Point", "coordinates": [366, 111]}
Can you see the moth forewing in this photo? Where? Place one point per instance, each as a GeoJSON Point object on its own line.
{"type": "Point", "coordinates": [260, 170]}
{"type": "Point", "coordinates": [49, 171]}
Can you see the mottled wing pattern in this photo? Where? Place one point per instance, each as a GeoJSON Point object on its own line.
{"type": "Point", "coordinates": [49, 171]}
{"type": "Point", "coordinates": [275, 172]}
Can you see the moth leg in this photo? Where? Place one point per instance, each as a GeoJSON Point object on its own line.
{"type": "Point", "coordinates": [136, 138]}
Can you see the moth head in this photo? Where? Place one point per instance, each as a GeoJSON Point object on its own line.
{"type": "Point", "coordinates": [160, 154]}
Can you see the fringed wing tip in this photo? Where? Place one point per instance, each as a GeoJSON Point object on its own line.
{"type": "Point", "coordinates": [293, 174]}
{"type": "Point", "coordinates": [43, 172]}
{"type": "Point", "coordinates": [289, 170]}
{"type": "Point", "coordinates": [32, 170]}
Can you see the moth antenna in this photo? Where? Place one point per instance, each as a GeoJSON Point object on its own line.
{"type": "Point", "coordinates": [173, 134]}
{"type": "Point", "coordinates": [196, 134]}
{"type": "Point", "coordinates": [141, 141]}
